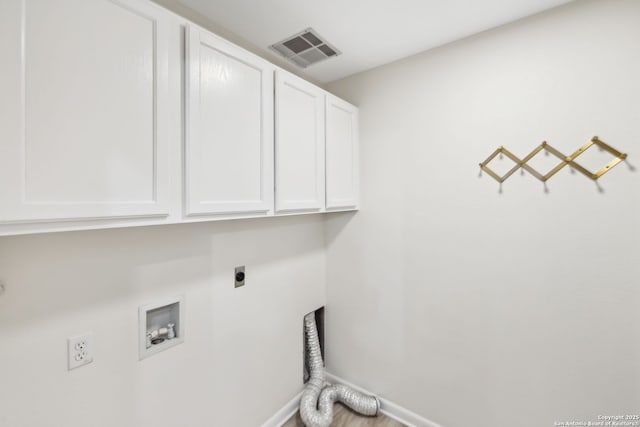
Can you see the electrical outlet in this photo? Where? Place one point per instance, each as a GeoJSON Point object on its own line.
{"type": "Point", "coordinates": [80, 350]}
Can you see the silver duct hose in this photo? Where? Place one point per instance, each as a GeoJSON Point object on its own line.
{"type": "Point", "coordinates": [316, 404]}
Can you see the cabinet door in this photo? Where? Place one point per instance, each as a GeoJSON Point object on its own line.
{"type": "Point", "coordinates": [82, 111]}
{"type": "Point", "coordinates": [299, 144]}
{"type": "Point", "coordinates": [229, 143]}
{"type": "Point", "coordinates": [342, 155]}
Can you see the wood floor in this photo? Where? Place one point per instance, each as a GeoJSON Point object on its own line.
{"type": "Point", "coordinates": [345, 417]}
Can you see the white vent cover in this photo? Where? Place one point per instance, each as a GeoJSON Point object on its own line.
{"type": "Point", "coordinates": [305, 48]}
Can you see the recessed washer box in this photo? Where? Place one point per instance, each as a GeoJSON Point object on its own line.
{"type": "Point", "coordinates": [161, 326]}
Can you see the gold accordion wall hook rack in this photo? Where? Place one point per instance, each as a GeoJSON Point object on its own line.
{"type": "Point", "coordinates": [564, 161]}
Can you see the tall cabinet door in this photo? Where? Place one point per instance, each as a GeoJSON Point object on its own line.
{"type": "Point", "coordinates": [299, 144]}
{"type": "Point", "coordinates": [229, 141]}
{"type": "Point", "coordinates": [83, 110]}
{"type": "Point", "coordinates": [342, 155]}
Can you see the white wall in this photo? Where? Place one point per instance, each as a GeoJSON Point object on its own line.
{"type": "Point", "coordinates": [472, 307]}
{"type": "Point", "coordinates": [242, 346]}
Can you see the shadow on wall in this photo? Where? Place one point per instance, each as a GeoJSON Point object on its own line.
{"type": "Point", "coordinates": [52, 274]}
{"type": "Point", "coordinates": [338, 221]}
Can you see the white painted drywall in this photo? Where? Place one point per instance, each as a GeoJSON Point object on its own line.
{"type": "Point", "coordinates": [472, 307]}
{"type": "Point", "coordinates": [242, 355]}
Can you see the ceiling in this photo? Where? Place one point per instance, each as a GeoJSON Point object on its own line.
{"type": "Point", "coordinates": [368, 32]}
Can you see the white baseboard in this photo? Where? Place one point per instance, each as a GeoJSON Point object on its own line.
{"type": "Point", "coordinates": [389, 408]}
{"type": "Point", "coordinates": [286, 412]}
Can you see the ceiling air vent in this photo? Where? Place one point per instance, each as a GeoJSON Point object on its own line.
{"type": "Point", "coordinates": [305, 48]}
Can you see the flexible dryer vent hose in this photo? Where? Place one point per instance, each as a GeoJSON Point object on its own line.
{"type": "Point", "coordinates": [316, 404]}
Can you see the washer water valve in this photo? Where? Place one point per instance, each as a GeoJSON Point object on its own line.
{"type": "Point", "coordinates": [158, 336]}
{"type": "Point", "coordinates": [161, 325]}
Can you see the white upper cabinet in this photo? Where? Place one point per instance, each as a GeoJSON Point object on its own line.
{"type": "Point", "coordinates": [112, 116]}
{"type": "Point", "coordinates": [342, 155]}
{"type": "Point", "coordinates": [300, 139]}
{"type": "Point", "coordinates": [83, 110]}
{"type": "Point", "coordinates": [229, 140]}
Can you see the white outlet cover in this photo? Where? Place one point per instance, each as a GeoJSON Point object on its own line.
{"type": "Point", "coordinates": [80, 350]}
